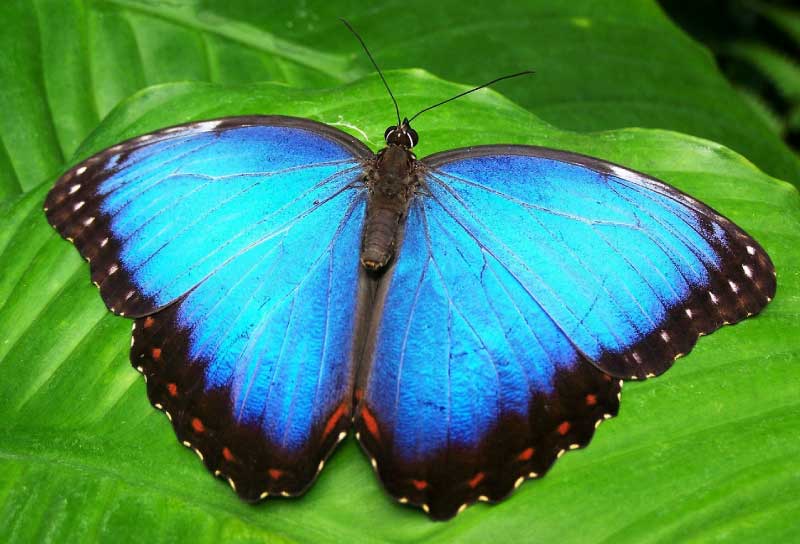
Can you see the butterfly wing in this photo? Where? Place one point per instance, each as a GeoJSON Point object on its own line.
{"type": "Point", "coordinates": [156, 214]}
{"type": "Point", "coordinates": [528, 282]}
{"type": "Point", "coordinates": [238, 240]}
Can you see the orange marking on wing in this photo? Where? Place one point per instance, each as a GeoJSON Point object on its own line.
{"type": "Point", "coordinates": [334, 419]}
{"type": "Point", "coordinates": [156, 352]}
{"type": "Point", "coordinates": [478, 478]}
{"type": "Point", "coordinates": [198, 426]}
{"type": "Point", "coordinates": [148, 322]}
{"type": "Point", "coordinates": [275, 473]}
{"type": "Point", "coordinates": [419, 484]}
{"type": "Point", "coordinates": [226, 453]}
{"type": "Point", "coordinates": [526, 454]}
{"type": "Point", "coordinates": [359, 394]}
{"type": "Point", "coordinates": [369, 421]}
{"type": "Point", "coordinates": [172, 389]}
{"type": "Point", "coordinates": [591, 400]}
{"type": "Point", "coordinates": [563, 428]}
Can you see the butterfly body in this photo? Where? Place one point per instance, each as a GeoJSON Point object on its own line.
{"type": "Point", "coordinates": [469, 315]}
{"type": "Point", "coordinates": [392, 182]}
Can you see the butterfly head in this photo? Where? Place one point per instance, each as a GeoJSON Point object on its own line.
{"type": "Point", "coordinates": [401, 134]}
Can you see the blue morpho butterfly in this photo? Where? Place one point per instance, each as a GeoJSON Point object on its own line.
{"type": "Point", "coordinates": [470, 315]}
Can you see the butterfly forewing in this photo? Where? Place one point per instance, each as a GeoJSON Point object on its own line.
{"type": "Point", "coordinates": [156, 214]}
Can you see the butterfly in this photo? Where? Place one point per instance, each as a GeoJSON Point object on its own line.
{"type": "Point", "coordinates": [470, 316]}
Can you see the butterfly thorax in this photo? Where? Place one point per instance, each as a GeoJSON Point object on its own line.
{"type": "Point", "coordinates": [391, 181]}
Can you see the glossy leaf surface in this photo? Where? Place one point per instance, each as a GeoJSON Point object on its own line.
{"type": "Point", "coordinates": [706, 451]}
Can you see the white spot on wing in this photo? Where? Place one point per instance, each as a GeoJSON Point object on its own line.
{"type": "Point", "coordinates": [80, 171]}
{"type": "Point", "coordinates": [88, 221]}
{"type": "Point", "coordinates": [112, 269]}
{"type": "Point", "coordinates": [622, 173]}
{"type": "Point", "coordinates": [104, 242]}
{"type": "Point", "coordinates": [734, 287]}
{"type": "Point", "coordinates": [665, 336]}
{"type": "Point", "coordinates": [207, 125]}
{"type": "Point", "coordinates": [751, 250]}
{"type": "Point", "coordinates": [747, 271]}
{"type": "Point", "coordinates": [689, 313]}
{"type": "Point", "coordinates": [78, 206]}
{"type": "Point", "coordinates": [714, 298]}
{"type": "Point", "coordinates": [74, 188]}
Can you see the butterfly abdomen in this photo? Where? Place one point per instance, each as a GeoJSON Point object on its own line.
{"type": "Point", "coordinates": [391, 186]}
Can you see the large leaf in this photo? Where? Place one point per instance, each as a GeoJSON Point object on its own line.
{"type": "Point", "coordinates": [707, 451]}
{"type": "Point", "coordinates": [600, 65]}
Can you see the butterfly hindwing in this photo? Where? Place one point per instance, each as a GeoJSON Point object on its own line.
{"type": "Point", "coordinates": [470, 389]}
{"type": "Point", "coordinates": [253, 365]}
{"type": "Point", "coordinates": [529, 281]}
{"type": "Point", "coordinates": [158, 213]}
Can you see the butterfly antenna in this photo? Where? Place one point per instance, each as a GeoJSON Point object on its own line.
{"type": "Point", "coordinates": [492, 82]}
{"type": "Point", "coordinates": [375, 64]}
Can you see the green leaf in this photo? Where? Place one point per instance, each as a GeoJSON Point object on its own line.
{"type": "Point", "coordinates": [599, 66]}
{"type": "Point", "coordinates": [706, 452]}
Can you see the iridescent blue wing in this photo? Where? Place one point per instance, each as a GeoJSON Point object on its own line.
{"type": "Point", "coordinates": [235, 242]}
{"type": "Point", "coordinates": [529, 281]}
{"type": "Point", "coordinates": [156, 214]}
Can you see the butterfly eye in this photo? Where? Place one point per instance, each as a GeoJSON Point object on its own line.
{"type": "Point", "coordinates": [388, 133]}
{"type": "Point", "coordinates": [412, 136]}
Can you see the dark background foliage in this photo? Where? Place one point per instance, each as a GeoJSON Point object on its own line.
{"type": "Point", "coordinates": [757, 46]}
